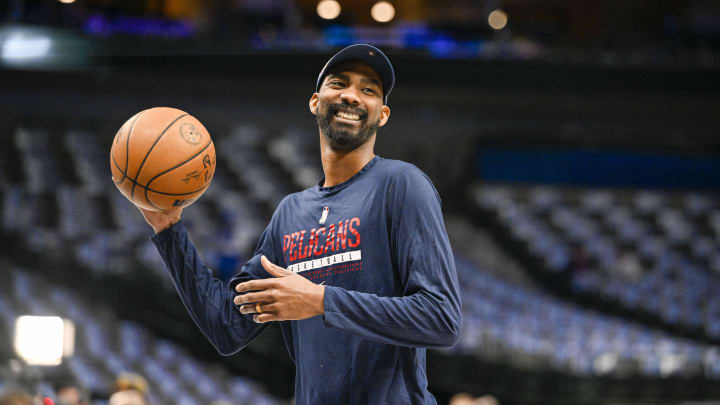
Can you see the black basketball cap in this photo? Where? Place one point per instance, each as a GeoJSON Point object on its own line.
{"type": "Point", "coordinates": [368, 54]}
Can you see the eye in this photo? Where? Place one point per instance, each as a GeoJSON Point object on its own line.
{"type": "Point", "coordinates": [368, 90]}
{"type": "Point", "coordinates": [336, 83]}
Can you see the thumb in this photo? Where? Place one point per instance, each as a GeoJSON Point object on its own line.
{"type": "Point", "coordinates": [274, 269]}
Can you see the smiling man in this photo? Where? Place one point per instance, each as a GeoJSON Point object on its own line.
{"type": "Point", "coordinates": [344, 123]}
{"type": "Point", "coordinates": [358, 269]}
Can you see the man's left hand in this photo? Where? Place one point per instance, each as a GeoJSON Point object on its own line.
{"type": "Point", "coordinates": [288, 296]}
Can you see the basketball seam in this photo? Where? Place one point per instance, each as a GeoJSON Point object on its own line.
{"type": "Point", "coordinates": [132, 190]}
{"type": "Point", "coordinates": [127, 147]}
{"type": "Point", "coordinates": [153, 204]}
{"type": "Point", "coordinates": [153, 190]}
{"type": "Point", "coordinates": [127, 142]}
{"type": "Point", "coordinates": [175, 167]}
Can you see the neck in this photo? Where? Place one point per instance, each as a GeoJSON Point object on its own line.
{"type": "Point", "coordinates": [339, 166]}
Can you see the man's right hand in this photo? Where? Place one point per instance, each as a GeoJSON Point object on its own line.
{"type": "Point", "coordinates": [160, 221]}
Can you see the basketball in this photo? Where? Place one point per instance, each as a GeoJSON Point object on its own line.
{"type": "Point", "coordinates": [162, 158]}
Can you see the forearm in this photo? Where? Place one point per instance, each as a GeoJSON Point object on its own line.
{"type": "Point", "coordinates": [207, 299]}
{"type": "Point", "coordinates": [418, 320]}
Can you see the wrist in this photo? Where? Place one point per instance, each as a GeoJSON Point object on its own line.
{"type": "Point", "coordinates": [161, 227]}
{"type": "Point", "coordinates": [320, 309]}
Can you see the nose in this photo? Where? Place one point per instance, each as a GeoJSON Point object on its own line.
{"type": "Point", "coordinates": [350, 96]}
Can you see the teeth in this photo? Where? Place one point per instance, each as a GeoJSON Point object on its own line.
{"type": "Point", "coordinates": [348, 116]}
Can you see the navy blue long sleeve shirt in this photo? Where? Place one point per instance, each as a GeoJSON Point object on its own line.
{"type": "Point", "coordinates": [379, 244]}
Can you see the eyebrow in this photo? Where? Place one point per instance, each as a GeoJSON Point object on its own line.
{"type": "Point", "coordinates": [373, 81]}
{"type": "Point", "coordinates": [347, 79]}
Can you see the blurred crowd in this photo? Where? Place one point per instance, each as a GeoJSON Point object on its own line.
{"type": "Point", "coordinates": [129, 389]}
{"type": "Point", "coordinates": [464, 398]}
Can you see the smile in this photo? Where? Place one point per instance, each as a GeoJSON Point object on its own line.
{"type": "Point", "coordinates": [347, 116]}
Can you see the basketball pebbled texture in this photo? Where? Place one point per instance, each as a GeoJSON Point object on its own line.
{"type": "Point", "coordinates": [162, 158]}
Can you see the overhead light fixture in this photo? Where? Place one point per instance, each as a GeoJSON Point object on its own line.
{"type": "Point", "coordinates": [497, 19]}
{"type": "Point", "coordinates": [19, 46]}
{"type": "Point", "coordinates": [382, 11]}
{"type": "Point", "coordinates": [44, 340]}
{"type": "Point", "coordinates": [328, 9]}
{"type": "Point", "coordinates": [67, 1]}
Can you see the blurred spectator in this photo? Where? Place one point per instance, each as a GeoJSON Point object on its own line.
{"type": "Point", "coordinates": [127, 397]}
{"type": "Point", "coordinates": [131, 381]}
{"type": "Point", "coordinates": [70, 393]}
{"type": "Point", "coordinates": [462, 398]}
{"type": "Point", "coordinates": [130, 390]}
{"type": "Point", "coordinates": [628, 266]}
{"type": "Point", "coordinates": [486, 400]}
{"type": "Point", "coordinates": [579, 261]}
{"type": "Point", "coordinates": [15, 398]}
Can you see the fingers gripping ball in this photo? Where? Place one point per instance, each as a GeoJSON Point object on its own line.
{"type": "Point", "coordinates": [162, 158]}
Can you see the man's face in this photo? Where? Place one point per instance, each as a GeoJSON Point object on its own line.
{"type": "Point", "coordinates": [349, 105]}
{"type": "Point", "coordinates": [69, 396]}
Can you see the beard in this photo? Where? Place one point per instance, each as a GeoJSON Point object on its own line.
{"type": "Point", "coordinates": [341, 137]}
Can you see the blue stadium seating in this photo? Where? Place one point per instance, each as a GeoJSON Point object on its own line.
{"type": "Point", "coordinates": [655, 252]}
{"type": "Point", "coordinates": [107, 346]}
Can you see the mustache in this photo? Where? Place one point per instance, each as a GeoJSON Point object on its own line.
{"type": "Point", "coordinates": [336, 107]}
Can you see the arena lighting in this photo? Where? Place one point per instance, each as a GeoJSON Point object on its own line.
{"type": "Point", "coordinates": [44, 340]}
{"type": "Point", "coordinates": [605, 363]}
{"type": "Point", "coordinates": [328, 9]}
{"type": "Point", "coordinates": [382, 11]}
{"type": "Point", "coordinates": [497, 19]}
{"type": "Point", "coordinates": [67, 1]}
{"type": "Point", "coordinates": [19, 46]}
{"type": "Point", "coordinates": [670, 364]}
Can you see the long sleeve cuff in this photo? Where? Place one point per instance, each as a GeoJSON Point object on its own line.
{"type": "Point", "coordinates": [168, 232]}
{"type": "Point", "coordinates": [330, 309]}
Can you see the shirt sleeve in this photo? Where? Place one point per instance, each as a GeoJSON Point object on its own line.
{"type": "Point", "coordinates": [208, 300]}
{"type": "Point", "coordinates": [429, 312]}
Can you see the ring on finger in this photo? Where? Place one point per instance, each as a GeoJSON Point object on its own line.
{"type": "Point", "coordinates": [258, 308]}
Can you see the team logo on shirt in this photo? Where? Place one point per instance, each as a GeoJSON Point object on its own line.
{"type": "Point", "coordinates": [323, 217]}
{"type": "Point", "coordinates": [324, 250]}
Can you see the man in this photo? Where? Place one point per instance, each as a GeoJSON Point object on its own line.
{"type": "Point", "coordinates": [70, 392]}
{"type": "Point", "coordinates": [358, 270]}
{"type": "Point", "coordinates": [127, 397]}
{"type": "Point", "coordinates": [15, 398]}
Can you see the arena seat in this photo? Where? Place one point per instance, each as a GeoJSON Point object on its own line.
{"type": "Point", "coordinates": [107, 346]}
{"type": "Point", "coordinates": [530, 328]}
{"type": "Point", "coordinates": [648, 251]}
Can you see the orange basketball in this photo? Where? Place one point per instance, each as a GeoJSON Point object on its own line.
{"type": "Point", "coordinates": [162, 158]}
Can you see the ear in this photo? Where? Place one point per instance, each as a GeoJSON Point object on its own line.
{"type": "Point", "coordinates": [313, 103]}
{"type": "Point", "coordinates": [384, 115]}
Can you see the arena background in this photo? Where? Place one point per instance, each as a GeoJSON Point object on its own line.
{"type": "Point", "coordinates": [574, 145]}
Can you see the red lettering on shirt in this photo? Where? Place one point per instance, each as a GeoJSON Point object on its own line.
{"type": "Point", "coordinates": [342, 234]}
{"type": "Point", "coordinates": [311, 244]}
{"type": "Point", "coordinates": [355, 221]}
{"type": "Point", "coordinates": [293, 253]}
{"type": "Point", "coordinates": [286, 243]}
{"type": "Point", "coordinates": [330, 241]}
{"type": "Point", "coordinates": [318, 250]}
{"type": "Point", "coordinates": [336, 237]}
{"type": "Point", "coordinates": [301, 253]}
